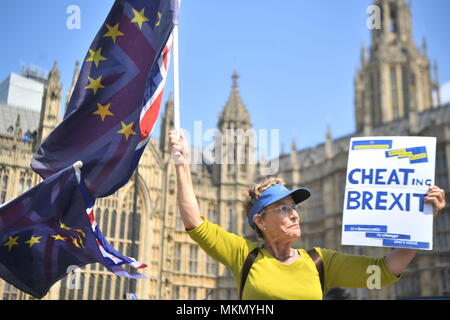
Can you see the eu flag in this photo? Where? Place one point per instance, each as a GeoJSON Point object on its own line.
{"type": "Point", "coordinates": [116, 99]}
{"type": "Point", "coordinates": [49, 230]}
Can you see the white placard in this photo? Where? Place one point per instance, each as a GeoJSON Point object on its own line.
{"type": "Point", "coordinates": [387, 180]}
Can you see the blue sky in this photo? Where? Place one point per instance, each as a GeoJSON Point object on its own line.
{"type": "Point", "coordinates": [296, 58]}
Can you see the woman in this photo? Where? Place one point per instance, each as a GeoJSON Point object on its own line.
{"type": "Point", "coordinates": [280, 271]}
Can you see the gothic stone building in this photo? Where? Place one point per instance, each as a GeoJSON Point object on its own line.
{"type": "Point", "coordinates": [393, 96]}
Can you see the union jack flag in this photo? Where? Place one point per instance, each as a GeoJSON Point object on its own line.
{"type": "Point", "coordinates": [113, 260]}
{"type": "Point", "coordinates": [46, 232]}
{"type": "Point", "coordinates": [116, 100]}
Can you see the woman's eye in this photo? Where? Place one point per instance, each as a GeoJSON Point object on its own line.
{"type": "Point", "coordinates": [284, 209]}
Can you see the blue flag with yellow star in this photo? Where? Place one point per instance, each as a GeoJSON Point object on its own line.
{"type": "Point", "coordinates": [116, 99]}
{"type": "Point", "coordinates": [48, 231]}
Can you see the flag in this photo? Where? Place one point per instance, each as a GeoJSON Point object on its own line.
{"type": "Point", "coordinates": [49, 231]}
{"type": "Point", "coordinates": [116, 99]}
{"type": "Point", "coordinates": [112, 258]}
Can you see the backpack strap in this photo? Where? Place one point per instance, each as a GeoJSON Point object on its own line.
{"type": "Point", "coordinates": [319, 265]}
{"type": "Point", "coordinates": [246, 268]}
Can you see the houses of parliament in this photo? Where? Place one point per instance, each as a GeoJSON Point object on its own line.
{"type": "Point", "coordinates": [393, 89]}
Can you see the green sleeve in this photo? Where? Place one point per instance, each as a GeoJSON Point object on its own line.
{"type": "Point", "coordinates": [227, 248]}
{"type": "Point", "coordinates": [351, 271]}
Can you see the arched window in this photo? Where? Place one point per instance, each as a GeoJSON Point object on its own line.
{"type": "Point", "coordinates": [91, 287]}
{"type": "Point", "coordinates": [123, 220]}
{"type": "Point", "coordinates": [394, 93]}
{"type": "Point", "coordinates": [99, 287]}
{"type": "Point", "coordinates": [107, 288]}
{"type": "Point", "coordinates": [98, 214]}
{"type": "Point", "coordinates": [82, 286]}
{"type": "Point", "coordinates": [405, 87]}
{"type": "Point", "coordinates": [21, 185]}
{"type": "Point", "coordinates": [118, 290]}
{"type": "Point", "coordinates": [105, 222]}
{"type": "Point", "coordinates": [394, 19]}
{"type": "Point", "coordinates": [131, 226]}
{"type": "Point", "coordinates": [3, 184]}
{"type": "Point", "coordinates": [230, 220]}
{"type": "Point", "coordinates": [138, 226]}
{"type": "Point", "coordinates": [112, 231]}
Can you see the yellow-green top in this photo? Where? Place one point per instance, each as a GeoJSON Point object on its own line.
{"type": "Point", "coordinates": [269, 279]}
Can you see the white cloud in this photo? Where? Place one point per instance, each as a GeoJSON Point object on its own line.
{"type": "Point", "coordinates": [445, 93]}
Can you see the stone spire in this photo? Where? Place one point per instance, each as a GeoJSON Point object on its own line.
{"type": "Point", "coordinates": [436, 85]}
{"type": "Point", "coordinates": [329, 150]}
{"type": "Point", "coordinates": [394, 79]}
{"type": "Point", "coordinates": [234, 113]}
{"type": "Point", "coordinates": [293, 145]}
{"type": "Point", "coordinates": [363, 53]}
{"type": "Point", "coordinates": [293, 156]}
{"type": "Point", "coordinates": [76, 73]}
{"type": "Point", "coordinates": [167, 125]}
{"type": "Point", "coordinates": [424, 46]}
{"type": "Point", "coordinates": [51, 102]}
{"type": "Point", "coordinates": [235, 78]}
{"type": "Point", "coordinates": [235, 144]}
{"type": "Point", "coordinates": [18, 129]}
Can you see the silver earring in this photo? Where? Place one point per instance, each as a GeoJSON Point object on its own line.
{"type": "Point", "coordinates": [264, 228]}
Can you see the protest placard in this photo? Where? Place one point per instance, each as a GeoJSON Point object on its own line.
{"type": "Point", "coordinates": [387, 180]}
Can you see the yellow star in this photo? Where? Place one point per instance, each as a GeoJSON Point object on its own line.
{"type": "Point", "coordinates": [81, 231]}
{"type": "Point", "coordinates": [95, 84]}
{"type": "Point", "coordinates": [12, 241]}
{"type": "Point", "coordinates": [126, 129]}
{"type": "Point", "coordinates": [81, 242]}
{"type": "Point", "coordinates": [113, 32]}
{"type": "Point", "coordinates": [103, 111]}
{"type": "Point", "coordinates": [75, 242]}
{"type": "Point", "coordinates": [63, 226]}
{"type": "Point", "coordinates": [59, 237]}
{"type": "Point", "coordinates": [33, 240]}
{"type": "Point", "coordinates": [96, 56]}
{"type": "Point", "coordinates": [159, 19]}
{"type": "Point", "coordinates": [139, 17]}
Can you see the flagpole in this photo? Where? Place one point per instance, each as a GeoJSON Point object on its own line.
{"type": "Point", "coordinates": [176, 82]}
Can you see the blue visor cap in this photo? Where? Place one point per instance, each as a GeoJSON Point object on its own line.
{"type": "Point", "coordinates": [273, 194]}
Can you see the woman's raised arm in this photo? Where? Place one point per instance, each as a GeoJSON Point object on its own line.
{"type": "Point", "coordinates": [189, 210]}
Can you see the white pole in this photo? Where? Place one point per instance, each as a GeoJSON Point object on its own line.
{"type": "Point", "coordinates": [176, 80]}
{"type": "Point", "coordinates": [176, 85]}
{"type": "Point", "coordinates": [176, 77]}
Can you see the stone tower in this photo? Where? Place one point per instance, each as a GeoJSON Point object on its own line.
{"type": "Point", "coordinates": [51, 101]}
{"type": "Point", "coordinates": [232, 171]}
{"type": "Point", "coordinates": [394, 78]}
{"type": "Point", "coordinates": [234, 145]}
{"type": "Point", "coordinates": [234, 162]}
{"type": "Point", "coordinates": [76, 74]}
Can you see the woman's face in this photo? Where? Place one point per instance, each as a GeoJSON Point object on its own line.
{"type": "Point", "coordinates": [281, 221]}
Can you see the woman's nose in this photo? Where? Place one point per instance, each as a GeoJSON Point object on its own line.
{"type": "Point", "coordinates": [295, 215]}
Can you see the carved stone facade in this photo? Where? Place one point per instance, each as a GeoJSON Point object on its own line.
{"type": "Point", "coordinates": [394, 78]}
{"type": "Point", "coordinates": [393, 91]}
